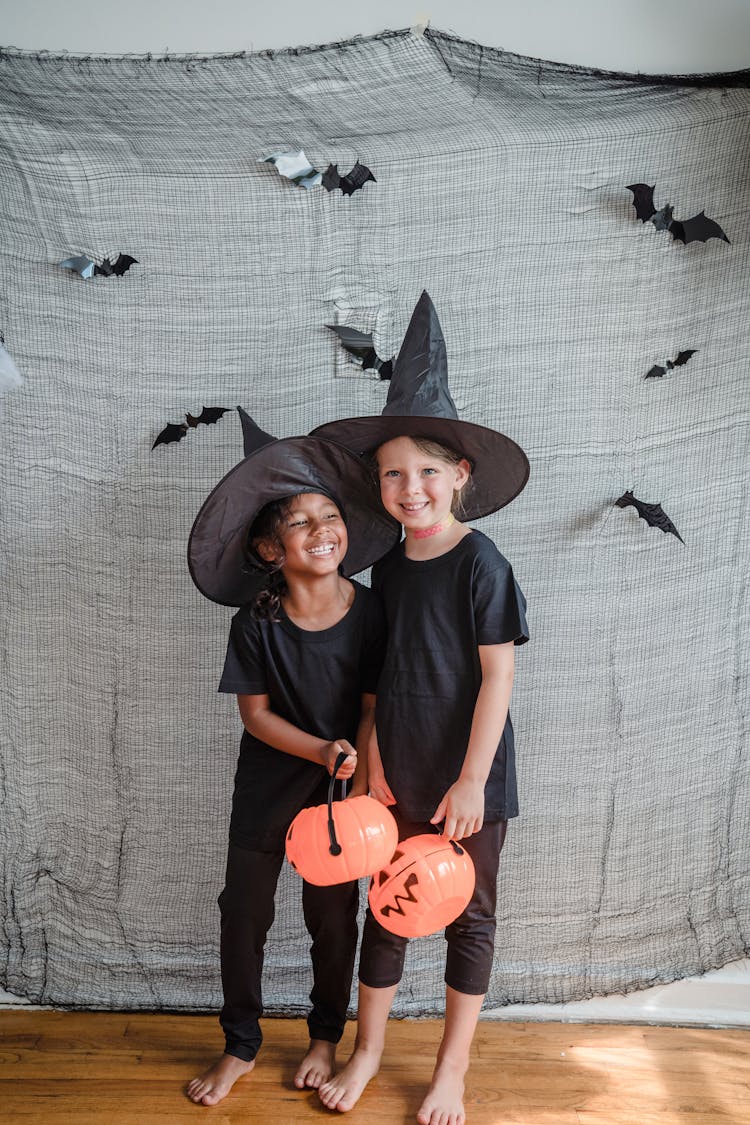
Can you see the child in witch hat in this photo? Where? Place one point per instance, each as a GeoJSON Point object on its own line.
{"type": "Point", "coordinates": [442, 750]}
{"type": "Point", "coordinates": [276, 537]}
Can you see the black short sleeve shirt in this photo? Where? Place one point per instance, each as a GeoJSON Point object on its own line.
{"type": "Point", "coordinates": [438, 612]}
{"type": "Point", "coordinates": [314, 680]}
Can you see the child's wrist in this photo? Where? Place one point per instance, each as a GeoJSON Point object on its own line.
{"type": "Point", "coordinates": [473, 779]}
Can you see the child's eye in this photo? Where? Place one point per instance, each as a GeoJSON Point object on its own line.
{"type": "Point", "coordinates": [391, 473]}
{"type": "Point", "coordinates": [331, 516]}
{"type": "Point", "coordinates": [429, 472]}
{"type": "Point", "coordinates": [297, 523]}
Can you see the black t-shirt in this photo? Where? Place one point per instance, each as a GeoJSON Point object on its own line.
{"type": "Point", "coordinates": [438, 612]}
{"type": "Point", "coordinates": [314, 680]}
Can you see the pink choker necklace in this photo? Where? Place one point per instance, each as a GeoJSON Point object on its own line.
{"type": "Point", "coordinates": [426, 532]}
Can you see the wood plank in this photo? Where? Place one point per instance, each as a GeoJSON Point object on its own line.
{"type": "Point", "coordinates": [662, 1117]}
{"type": "Point", "coordinates": [86, 1068]}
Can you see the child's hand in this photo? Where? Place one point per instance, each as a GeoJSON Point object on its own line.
{"type": "Point", "coordinates": [379, 787]}
{"type": "Point", "coordinates": [381, 790]}
{"type": "Point", "coordinates": [462, 809]}
{"type": "Point", "coordinates": [331, 752]}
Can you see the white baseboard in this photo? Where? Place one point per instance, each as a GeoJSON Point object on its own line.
{"type": "Point", "coordinates": [718, 999]}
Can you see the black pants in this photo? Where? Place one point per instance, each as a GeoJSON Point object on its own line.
{"type": "Point", "coordinates": [247, 912]}
{"type": "Point", "coordinates": [471, 938]}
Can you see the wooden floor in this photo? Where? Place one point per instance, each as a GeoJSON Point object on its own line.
{"type": "Point", "coordinates": [120, 1068]}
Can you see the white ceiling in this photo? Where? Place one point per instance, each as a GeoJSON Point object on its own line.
{"type": "Point", "coordinates": [652, 36]}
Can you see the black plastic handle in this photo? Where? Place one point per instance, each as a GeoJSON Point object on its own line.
{"type": "Point", "coordinates": [334, 846]}
{"type": "Point", "coordinates": [456, 847]}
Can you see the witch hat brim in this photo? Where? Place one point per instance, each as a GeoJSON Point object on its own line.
{"type": "Point", "coordinates": [218, 557]}
{"type": "Point", "coordinates": [499, 467]}
{"type": "Point", "coordinates": [419, 404]}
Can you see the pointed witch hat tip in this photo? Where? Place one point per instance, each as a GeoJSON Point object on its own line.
{"type": "Point", "coordinates": [425, 304]}
{"type": "Point", "coordinates": [253, 438]}
{"type": "Point", "coordinates": [419, 384]}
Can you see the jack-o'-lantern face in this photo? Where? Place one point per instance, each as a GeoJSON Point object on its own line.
{"type": "Point", "coordinates": [427, 884]}
{"type": "Point", "coordinates": [400, 901]}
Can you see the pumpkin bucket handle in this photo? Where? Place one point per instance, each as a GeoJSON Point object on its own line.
{"type": "Point", "coordinates": [335, 846]}
{"type": "Point", "coordinates": [456, 847]}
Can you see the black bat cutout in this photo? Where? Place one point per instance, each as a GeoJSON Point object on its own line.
{"type": "Point", "coordinates": [656, 372]}
{"type": "Point", "coordinates": [350, 181]}
{"type": "Point", "coordinates": [653, 514]}
{"type": "Point", "coordinates": [121, 265]}
{"type": "Point", "coordinates": [207, 416]}
{"type": "Point", "coordinates": [697, 229]}
{"type": "Point", "coordinates": [359, 344]}
{"type": "Point", "coordinates": [175, 431]}
{"type": "Point", "coordinates": [87, 268]}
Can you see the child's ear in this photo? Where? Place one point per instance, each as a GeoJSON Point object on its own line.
{"type": "Point", "coordinates": [268, 551]}
{"type": "Point", "coordinates": [463, 472]}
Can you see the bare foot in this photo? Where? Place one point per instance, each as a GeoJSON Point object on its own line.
{"type": "Point", "coordinates": [317, 1066]}
{"type": "Point", "coordinates": [345, 1089]}
{"type": "Point", "coordinates": [215, 1083]}
{"type": "Point", "coordinates": [444, 1102]}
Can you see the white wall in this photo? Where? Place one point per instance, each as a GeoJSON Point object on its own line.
{"type": "Point", "coordinates": [652, 36]}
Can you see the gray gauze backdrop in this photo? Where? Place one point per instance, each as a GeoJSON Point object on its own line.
{"type": "Point", "coordinates": [501, 188]}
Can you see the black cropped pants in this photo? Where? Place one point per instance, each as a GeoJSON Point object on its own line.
{"type": "Point", "coordinates": [470, 939]}
{"type": "Point", "coordinates": [247, 912]}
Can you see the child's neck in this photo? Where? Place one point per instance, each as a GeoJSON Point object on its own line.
{"type": "Point", "coordinates": [443, 538]}
{"type": "Point", "coordinates": [318, 604]}
{"type": "Point", "coordinates": [428, 532]}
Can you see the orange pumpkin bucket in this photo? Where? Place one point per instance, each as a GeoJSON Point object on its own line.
{"type": "Point", "coordinates": [424, 888]}
{"type": "Point", "coordinates": [326, 847]}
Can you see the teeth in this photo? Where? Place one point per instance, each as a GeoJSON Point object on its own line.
{"type": "Point", "coordinates": [326, 549]}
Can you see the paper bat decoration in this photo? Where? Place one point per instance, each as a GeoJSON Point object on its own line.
{"type": "Point", "coordinates": [175, 431]}
{"type": "Point", "coordinates": [88, 268]}
{"type": "Point", "coordinates": [296, 167]}
{"type": "Point", "coordinates": [697, 229]}
{"type": "Point", "coordinates": [359, 344]}
{"type": "Point", "coordinates": [653, 514]}
{"type": "Point", "coordinates": [657, 372]}
{"type": "Point", "coordinates": [350, 181]}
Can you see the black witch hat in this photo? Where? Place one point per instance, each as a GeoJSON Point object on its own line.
{"type": "Point", "coordinates": [218, 557]}
{"type": "Point", "coordinates": [419, 404]}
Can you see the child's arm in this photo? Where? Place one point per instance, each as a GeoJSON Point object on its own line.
{"type": "Point", "coordinates": [462, 807]}
{"type": "Point", "coordinates": [359, 786]}
{"type": "Point", "coordinates": [379, 787]}
{"type": "Point", "coordinates": [266, 725]}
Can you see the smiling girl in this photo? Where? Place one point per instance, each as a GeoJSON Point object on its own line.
{"type": "Point", "coordinates": [442, 752]}
{"type": "Point", "coordinates": [303, 658]}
